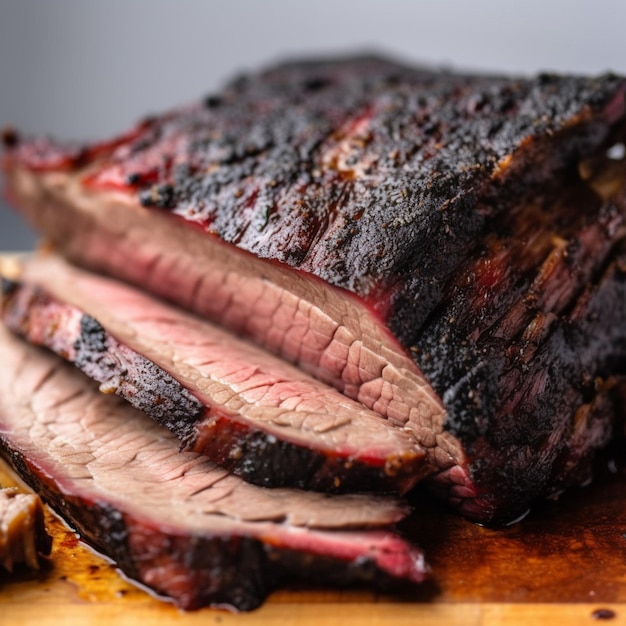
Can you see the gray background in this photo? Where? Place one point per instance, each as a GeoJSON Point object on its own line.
{"type": "Point", "coordinates": [83, 69]}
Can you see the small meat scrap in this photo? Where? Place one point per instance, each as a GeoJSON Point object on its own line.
{"type": "Point", "coordinates": [23, 536]}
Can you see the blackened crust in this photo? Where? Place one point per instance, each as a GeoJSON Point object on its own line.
{"type": "Point", "coordinates": [527, 347]}
{"type": "Point", "coordinates": [371, 175]}
{"type": "Point", "coordinates": [140, 381]}
{"type": "Point", "coordinates": [265, 460]}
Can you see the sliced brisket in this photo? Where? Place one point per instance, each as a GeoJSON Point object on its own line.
{"type": "Point", "coordinates": [247, 410]}
{"type": "Point", "coordinates": [171, 519]}
{"type": "Point", "coordinates": [369, 222]}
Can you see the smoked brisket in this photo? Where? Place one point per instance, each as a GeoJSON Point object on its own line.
{"type": "Point", "coordinates": [446, 249]}
{"type": "Point", "coordinates": [172, 520]}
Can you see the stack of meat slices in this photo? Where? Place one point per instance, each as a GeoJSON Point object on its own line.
{"type": "Point", "coordinates": [329, 282]}
{"type": "Point", "coordinates": [172, 519]}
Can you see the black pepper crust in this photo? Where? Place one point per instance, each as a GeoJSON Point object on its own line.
{"type": "Point", "coordinates": [528, 345]}
{"type": "Point", "coordinates": [268, 461]}
{"type": "Point", "coordinates": [136, 379]}
{"type": "Point", "coordinates": [371, 175]}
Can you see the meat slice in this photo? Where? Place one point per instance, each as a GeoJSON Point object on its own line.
{"type": "Point", "coordinates": [250, 412]}
{"type": "Point", "coordinates": [23, 536]}
{"type": "Point", "coordinates": [327, 210]}
{"type": "Point", "coordinates": [172, 520]}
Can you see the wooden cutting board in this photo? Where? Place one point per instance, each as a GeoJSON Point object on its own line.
{"type": "Point", "coordinates": [563, 564]}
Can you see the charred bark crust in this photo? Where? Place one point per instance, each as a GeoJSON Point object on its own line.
{"type": "Point", "coordinates": [374, 176]}
{"type": "Point", "coordinates": [527, 346]}
{"type": "Point", "coordinates": [136, 379]}
{"type": "Point", "coordinates": [263, 459]}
